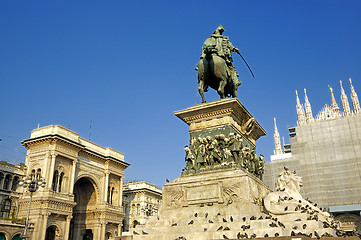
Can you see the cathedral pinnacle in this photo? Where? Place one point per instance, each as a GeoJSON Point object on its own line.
{"type": "Point", "coordinates": [300, 111]}
{"type": "Point", "coordinates": [345, 104]}
{"type": "Point", "coordinates": [309, 117]}
{"type": "Point", "coordinates": [354, 99]}
{"type": "Point", "coordinates": [278, 147]}
{"type": "Point", "coordinates": [334, 106]}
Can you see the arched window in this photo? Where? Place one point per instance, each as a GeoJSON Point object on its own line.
{"type": "Point", "coordinates": [38, 173]}
{"type": "Point", "coordinates": [7, 182]}
{"type": "Point", "coordinates": [17, 237]}
{"type": "Point", "coordinates": [33, 174]}
{"type": "Point", "coordinates": [1, 180]}
{"type": "Point", "coordinates": [111, 195]}
{"type": "Point", "coordinates": [138, 209]}
{"type": "Point", "coordinates": [60, 181]}
{"type": "Point", "coordinates": [5, 207]}
{"type": "Point", "coordinates": [15, 183]}
{"type": "Point", "coordinates": [55, 180]}
{"type": "Point", "coordinates": [108, 196]}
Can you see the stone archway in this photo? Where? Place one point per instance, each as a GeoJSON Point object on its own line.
{"type": "Point", "coordinates": [51, 232]}
{"type": "Point", "coordinates": [85, 196]}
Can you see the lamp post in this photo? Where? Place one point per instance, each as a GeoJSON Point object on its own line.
{"type": "Point", "coordinates": [32, 183]}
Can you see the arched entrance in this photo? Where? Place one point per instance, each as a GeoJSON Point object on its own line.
{"type": "Point", "coordinates": [86, 201]}
{"type": "Point", "coordinates": [2, 236]}
{"type": "Point", "coordinates": [50, 233]}
{"type": "Point", "coordinates": [17, 237]}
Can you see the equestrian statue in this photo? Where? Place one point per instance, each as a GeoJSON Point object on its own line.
{"type": "Point", "coordinates": [215, 69]}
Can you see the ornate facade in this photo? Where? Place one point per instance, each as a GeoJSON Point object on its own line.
{"type": "Point", "coordinates": [10, 226]}
{"type": "Point", "coordinates": [141, 200]}
{"type": "Point", "coordinates": [82, 198]}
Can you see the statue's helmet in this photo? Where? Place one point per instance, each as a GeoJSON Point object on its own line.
{"type": "Point", "coordinates": [219, 30]}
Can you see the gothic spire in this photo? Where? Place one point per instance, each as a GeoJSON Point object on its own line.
{"type": "Point", "coordinates": [345, 105]}
{"type": "Point", "coordinates": [278, 148]}
{"type": "Point", "coordinates": [309, 117]}
{"type": "Point", "coordinates": [300, 112]}
{"type": "Point", "coordinates": [354, 99]}
{"type": "Point", "coordinates": [334, 106]}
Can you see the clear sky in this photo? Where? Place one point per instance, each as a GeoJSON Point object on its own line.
{"type": "Point", "coordinates": [128, 65]}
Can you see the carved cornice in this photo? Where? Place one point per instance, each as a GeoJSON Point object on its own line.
{"type": "Point", "coordinates": [222, 112]}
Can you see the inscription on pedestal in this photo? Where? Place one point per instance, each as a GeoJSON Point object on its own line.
{"type": "Point", "coordinates": [204, 193]}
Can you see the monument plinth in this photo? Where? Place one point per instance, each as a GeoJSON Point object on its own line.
{"type": "Point", "coordinates": [221, 116]}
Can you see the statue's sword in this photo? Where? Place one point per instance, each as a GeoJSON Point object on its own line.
{"type": "Point", "coordinates": [246, 64]}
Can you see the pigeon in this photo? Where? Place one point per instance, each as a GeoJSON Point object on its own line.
{"type": "Point", "coordinates": [244, 227]}
{"type": "Point", "coordinates": [244, 219]}
{"type": "Point", "coordinates": [218, 214]}
{"type": "Point", "coordinates": [220, 228]}
{"type": "Point", "coordinates": [298, 219]}
{"type": "Point", "coordinates": [268, 217]}
{"type": "Point", "coordinates": [205, 229]}
{"type": "Point", "coordinates": [225, 237]}
{"type": "Point", "coordinates": [191, 222]}
{"type": "Point", "coordinates": [245, 235]}
{"type": "Point", "coordinates": [316, 235]}
{"type": "Point", "coordinates": [231, 219]}
{"type": "Point", "coordinates": [167, 180]}
{"type": "Point", "coordinates": [296, 208]}
{"type": "Point", "coordinates": [304, 226]}
{"type": "Point", "coordinates": [174, 224]}
{"type": "Point", "coordinates": [196, 214]}
{"type": "Point", "coordinates": [206, 215]}
{"type": "Point", "coordinates": [266, 235]}
{"type": "Point", "coordinates": [286, 168]}
{"type": "Point", "coordinates": [224, 220]}
{"type": "Point", "coordinates": [144, 232]}
{"type": "Point", "coordinates": [135, 233]}
{"type": "Point", "coordinates": [295, 227]}
{"type": "Point", "coordinates": [277, 234]}
{"type": "Point", "coordinates": [293, 233]}
{"type": "Point", "coordinates": [210, 204]}
{"type": "Point", "coordinates": [226, 228]}
{"type": "Point", "coordinates": [273, 225]}
{"type": "Point", "coordinates": [238, 235]}
{"type": "Point", "coordinates": [281, 224]}
{"type": "Point", "coordinates": [260, 218]}
{"type": "Point", "coordinates": [202, 205]}
{"type": "Point", "coordinates": [286, 208]}
{"type": "Point", "coordinates": [253, 235]}
{"type": "Point", "coordinates": [253, 218]}
{"type": "Point", "coordinates": [210, 221]}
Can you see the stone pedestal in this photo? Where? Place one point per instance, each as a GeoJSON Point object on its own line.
{"type": "Point", "coordinates": [222, 116]}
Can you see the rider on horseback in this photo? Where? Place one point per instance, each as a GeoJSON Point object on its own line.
{"type": "Point", "coordinates": [222, 47]}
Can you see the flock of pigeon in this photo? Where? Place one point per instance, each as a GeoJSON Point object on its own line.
{"type": "Point", "coordinates": [306, 222]}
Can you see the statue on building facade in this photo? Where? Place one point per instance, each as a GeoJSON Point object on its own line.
{"type": "Point", "coordinates": [215, 69]}
{"type": "Point", "coordinates": [220, 150]}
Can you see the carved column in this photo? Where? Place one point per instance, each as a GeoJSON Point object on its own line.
{"type": "Point", "coordinates": [120, 204]}
{"type": "Point", "coordinates": [42, 232]}
{"type": "Point", "coordinates": [51, 171]}
{"type": "Point", "coordinates": [106, 183]}
{"type": "Point", "coordinates": [72, 177]}
{"type": "Point", "coordinates": [67, 227]}
{"type": "Point", "coordinates": [11, 182]}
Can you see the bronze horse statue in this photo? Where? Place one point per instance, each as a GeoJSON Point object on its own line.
{"type": "Point", "coordinates": [213, 72]}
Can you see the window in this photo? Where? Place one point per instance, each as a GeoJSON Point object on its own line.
{"type": "Point", "coordinates": [60, 181]}
{"type": "Point", "coordinates": [33, 174]}
{"type": "Point", "coordinates": [15, 183]}
{"type": "Point", "coordinates": [7, 182]}
{"type": "Point", "coordinates": [1, 179]}
{"type": "Point", "coordinates": [5, 207]}
{"type": "Point", "coordinates": [55, 180]}
{"type": "Point", "coordinates": [38, 174]}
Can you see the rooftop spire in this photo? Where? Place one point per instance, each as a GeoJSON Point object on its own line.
{"type": "Point", "coordinates": [309, 117]}
{"type": "Point", "coordinates": [278, 148]}
{"type": "Point", "coordinates": [345, 105]}
{"type": "Point", "coordinates": [354, 99]}
{"type": "Point", "coordinates": [300, 112]}
{"type": "Point", "coordinates": [334, 106]}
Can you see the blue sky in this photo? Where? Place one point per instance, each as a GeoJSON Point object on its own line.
{"type": "Point", "coordinates": [128, 65]}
